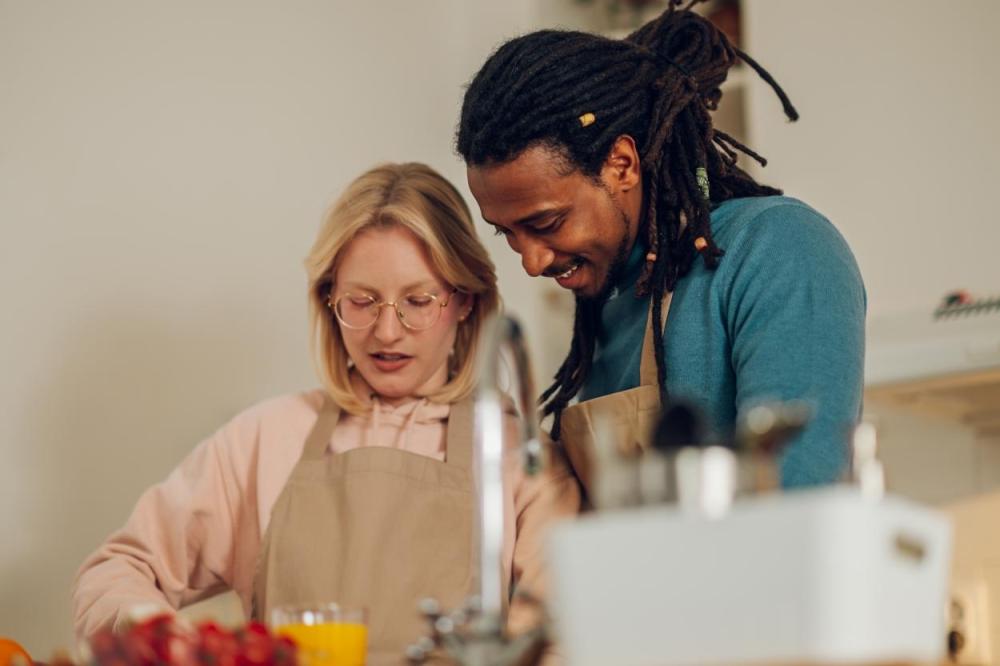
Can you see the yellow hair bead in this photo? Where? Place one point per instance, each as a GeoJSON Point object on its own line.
{"type": "Point", "coordinates": [700, 243]}
{"type": "Point", "coordinates": [651, 256]}
{"type": "Point", "coordinates": [587, 119]}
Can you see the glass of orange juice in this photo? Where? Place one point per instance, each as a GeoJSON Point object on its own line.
{"type": "Point", "coordinates": [326, 634]}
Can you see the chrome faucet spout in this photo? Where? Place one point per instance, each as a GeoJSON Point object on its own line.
{"type": "Point", "coordinates": [490, 406]}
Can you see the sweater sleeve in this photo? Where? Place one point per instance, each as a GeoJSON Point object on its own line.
{"type": "Point", "coordinates": [540, 501]}
{"type": "Point", "coordinates": [794, 312]}
{"type": "Point", "coordinates": [178, 544]}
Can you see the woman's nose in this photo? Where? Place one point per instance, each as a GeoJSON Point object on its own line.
{"type": "Point", "coordinates": [388, 327]}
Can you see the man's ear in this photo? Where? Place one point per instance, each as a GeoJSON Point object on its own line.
{"type": "Point", "coordinates": [622, 170]}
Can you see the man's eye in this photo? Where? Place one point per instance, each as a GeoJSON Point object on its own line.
{"type": "Point", "coordinates": [549, 228]}
{"type": "Point", "coordinates": [500, 231]}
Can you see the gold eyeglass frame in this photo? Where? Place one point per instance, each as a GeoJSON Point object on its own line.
{"type": "Point", "coordinates": [381, 304]}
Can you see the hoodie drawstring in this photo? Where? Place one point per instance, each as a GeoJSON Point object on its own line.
{"type": "Point", "coordinates": [371, 437]}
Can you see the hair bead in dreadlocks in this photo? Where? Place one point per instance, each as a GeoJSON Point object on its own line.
{"type": "Point", "coordinates": [652, 234]}
{"type": "Point", "coordinates": [701, 176]}
{"type": "Point", "coordinates": [656, 304]}
{"type": "Point", "coordinates": [695, 193]}
{"type": "Point", "coordinates": [672, 98]}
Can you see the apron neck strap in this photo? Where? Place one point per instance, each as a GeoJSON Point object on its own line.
{"type": "Point", "coordinates": [647, 367]}
{"type": "Point", "coordinates": [319, 437]}
{"type": "Point", "coordinates": [459, 443]}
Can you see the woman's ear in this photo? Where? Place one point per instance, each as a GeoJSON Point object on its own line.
{"type": "Point", "coordinates": [465, 309]}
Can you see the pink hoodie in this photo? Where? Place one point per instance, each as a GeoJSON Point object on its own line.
{"type": "Point", "coordinates": [199, 532]}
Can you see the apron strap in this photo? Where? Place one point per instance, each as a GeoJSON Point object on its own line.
{"type": "Point", "coordinates": [319, 437]}
{"type": "Point", "coordinates": [647, 366]}
{"type": "Point", "coordinates": [458, 446]}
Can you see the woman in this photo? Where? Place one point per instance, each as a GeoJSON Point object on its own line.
{"type": "Point", "coordinates": [360, 493]}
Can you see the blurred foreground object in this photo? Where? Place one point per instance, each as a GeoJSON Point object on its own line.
{"type": "Point", "coordinates": [973, 631]}
{"type": "Point", "coordinates": [163, 640]}
{"type": "Point", "coordinates": [724, 568]}
{"type": "Point", "coordinates": [12, 654]}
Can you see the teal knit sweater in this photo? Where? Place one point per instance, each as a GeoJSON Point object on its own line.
{"type": "Point", "coordinates": [782, 317]}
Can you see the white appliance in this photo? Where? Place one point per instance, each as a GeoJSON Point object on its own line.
{"type": "Point", "coordinates": [822, 576]}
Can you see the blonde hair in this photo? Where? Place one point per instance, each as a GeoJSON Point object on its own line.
{"type": "Point", "coordinates": [413, 196]}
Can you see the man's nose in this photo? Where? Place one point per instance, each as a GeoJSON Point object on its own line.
{"type": "Point", "coordinates": [535, 256]}
{"type": "Point", "coordinates": [388, 328]}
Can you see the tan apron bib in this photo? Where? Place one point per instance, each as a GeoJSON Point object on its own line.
{"type": "Point", "coordinates": [628, 417]}
{"type": "Point", "coordinates": [374, 527]}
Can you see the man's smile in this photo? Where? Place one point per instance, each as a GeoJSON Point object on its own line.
{"type": "Point", "coordinates": [561, 273]}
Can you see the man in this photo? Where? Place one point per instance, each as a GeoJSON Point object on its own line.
{"type": "Point", "coordinates": [598, 161]}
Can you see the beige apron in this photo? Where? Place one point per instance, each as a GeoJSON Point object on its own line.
{"type": "Point", "coordinates": [627, 417]}
{"type": "Point", "coordinates": [374, 527]}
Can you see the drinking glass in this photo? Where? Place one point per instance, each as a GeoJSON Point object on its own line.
{"type": "Point", "coordinates": [326, 634]}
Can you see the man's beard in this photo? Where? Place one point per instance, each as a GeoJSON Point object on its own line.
{"type": "Point", "coordinates": [615, 270]}
{"type": "Point", "coordinates": [589, 308]}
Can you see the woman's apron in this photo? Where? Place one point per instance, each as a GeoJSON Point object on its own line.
{"type": "Point", "coordinates": [376, 528]}
{"type": "Point", "coordinates": [626, 417]}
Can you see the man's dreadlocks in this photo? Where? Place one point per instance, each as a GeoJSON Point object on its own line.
{"type": "Point", "coordinates": [659, 86]}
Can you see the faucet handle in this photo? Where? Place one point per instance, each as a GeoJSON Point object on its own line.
{"type": "Point", "coordinates": [533, 453]}
{"type": "Point", "coordinates": [419, 652]}
{"type": "Point", "coordinates": [472, 638]}
{"type": "Point", "coordinates": [442, 629]}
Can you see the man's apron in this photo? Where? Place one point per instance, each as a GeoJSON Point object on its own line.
{"type": "Point", "coordinates": [374, 527]}
{"type": "Point", "coordinates": [628, 417]}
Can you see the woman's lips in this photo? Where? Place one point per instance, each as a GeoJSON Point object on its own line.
{"type": "Point", "coordinates": [390, 362]}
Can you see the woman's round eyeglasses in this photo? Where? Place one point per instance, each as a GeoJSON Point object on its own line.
{"type": "Point", "coordinates": [416, 312]}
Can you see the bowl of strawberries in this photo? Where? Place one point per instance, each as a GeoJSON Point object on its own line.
{"type": "Point", "coordinates": [163, 640]}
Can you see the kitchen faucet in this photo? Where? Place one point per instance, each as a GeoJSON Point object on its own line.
{"type": "Point", "coordinates": [474, 634]}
